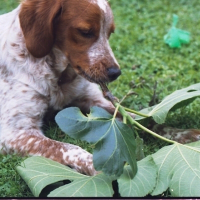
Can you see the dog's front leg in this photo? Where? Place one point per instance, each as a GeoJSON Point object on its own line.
{"type": "Point", "coordinates": [21, 121]}
{"type": "Point", "coordinates": [85, 95]}
{"type": "Point", "coordinates": [34, 143]}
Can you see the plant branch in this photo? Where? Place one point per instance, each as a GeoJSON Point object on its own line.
{"type": "Point", "coordinates": [116, 110]}
{"type": "Point", "coordinates": [126, 116]}
{"type": "Point", "coordinates": [124, 120]}
{"type": "Point", "coordinates": [132, 121]}
{"type": "Point", "coordinates": [135, 112]}
{"type": "Point", "coordinates": [151, 132]}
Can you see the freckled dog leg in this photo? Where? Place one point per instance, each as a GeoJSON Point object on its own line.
{"type": "Point", "coordinates": [33, 142]}
{"type": "Point", "coordinates": [21, 131]}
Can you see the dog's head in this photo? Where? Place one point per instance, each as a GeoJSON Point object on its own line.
{"type": "Point", "coordinates": [79, 28]}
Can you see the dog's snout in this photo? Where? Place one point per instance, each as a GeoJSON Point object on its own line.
{"type": "Point", "coordinates": [113, 73]}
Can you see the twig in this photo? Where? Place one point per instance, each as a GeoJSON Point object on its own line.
{"type": "Point", "coordinates": [107, 94]}
{"type": "Point", "coordinates": [132, 121]}
{"type": "Point", "coordinates": [128, 94]}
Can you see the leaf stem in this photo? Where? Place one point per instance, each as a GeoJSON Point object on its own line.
{"type": "Point", "coordinates": [135, 112]}
{"type": "Point", "coordinates": [151, 132]}
{"type": "Point", "coordinates": [124, 113]}
{"type": "Point", "coordinates": [117, 105]}
{"type": "Point", "coordinates": [124, 119]}
{"type": "Point", "coordinates": [132, 121]}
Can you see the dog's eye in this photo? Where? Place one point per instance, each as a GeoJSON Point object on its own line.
{"type": "Point", "coordinates": [86, 33]}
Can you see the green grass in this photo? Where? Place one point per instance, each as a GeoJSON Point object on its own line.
{"type": "Point", "coordinates": [7, 5]}
{"type": "Point", "coordinates": [145, 60]}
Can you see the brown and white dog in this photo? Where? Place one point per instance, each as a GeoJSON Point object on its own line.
{"type": "Point", "coordinates": [53, 53]}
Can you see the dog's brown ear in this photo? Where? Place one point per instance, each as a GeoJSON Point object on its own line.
{"type": "Point", "coordinates": [37, 20]}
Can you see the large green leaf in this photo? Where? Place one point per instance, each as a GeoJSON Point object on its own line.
{"type": "Point", "coordinates": [114, 141]}
{"type": "Point", "coordinates": [174, 100]}
{"type": "Point", "coordinates": [144, 181]}
{"type": "Point", "coordinates": [93, 186]}
{"type": "Point", "coordinates": [38, 172]}
{"type": "Point", "coordinates": [178, 169]}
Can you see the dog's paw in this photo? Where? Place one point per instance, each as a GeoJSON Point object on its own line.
{"type": "Point", "coordinates": [78, 159]}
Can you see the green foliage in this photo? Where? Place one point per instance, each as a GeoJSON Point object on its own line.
{"type": "Point", "coordinates": [174, 167]}
{"type": "Point", "coordinates": [38, 172]}
{"type": "Point", "coordinates": [93, 186]}
{"type": "Point", "coordinates": [178, 169]}
{"type": "Point", "coordinates": [114, 141]}
{"type": "Point", "coordinates": [139, 148]}
{"type": "Point", "coordinates": [11, 184]}
{"type": "Point", "coordinates": [144, 181]}
{"type": "Point", "coordinates": [144, 57]}
{"type": "Point", "coordinates": [7, 5]}
{"type": "Point", "coordinates": [173, 101]}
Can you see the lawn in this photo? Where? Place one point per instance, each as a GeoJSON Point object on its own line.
{"type": "Point", "coordinates": [150, 69]}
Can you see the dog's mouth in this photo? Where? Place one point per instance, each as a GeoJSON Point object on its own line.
{"type": "Point", "coordinates": [85, 75]}
{"type": "Point", "coordinates": [91, 79]}
{"type": "Point", "coordinates": [103, 84]}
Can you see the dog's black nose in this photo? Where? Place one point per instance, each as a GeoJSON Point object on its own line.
{"type": "Point", "coordinates": [113, 73]}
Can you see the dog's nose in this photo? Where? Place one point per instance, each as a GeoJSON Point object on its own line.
{"type": "Point", "coordinates": [113, 73]}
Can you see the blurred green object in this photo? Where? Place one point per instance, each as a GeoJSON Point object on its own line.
{"type": "Point", "coordinates": [175, 37]}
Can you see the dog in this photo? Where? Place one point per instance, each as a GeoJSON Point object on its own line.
{"type": "Point", "coordinates": [53, 53]}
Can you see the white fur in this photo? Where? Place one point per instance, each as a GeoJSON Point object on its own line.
{"type": "Point", "coordinates": [102, 4]}
{"type": "Point", "coordinates": [101, 47]}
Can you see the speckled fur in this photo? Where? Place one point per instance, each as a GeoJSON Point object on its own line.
{"type": "Point", "coordinates": [29, 86]}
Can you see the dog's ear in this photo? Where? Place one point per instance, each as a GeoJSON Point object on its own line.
{"type": "Point", "coordinates": [38, 20]}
